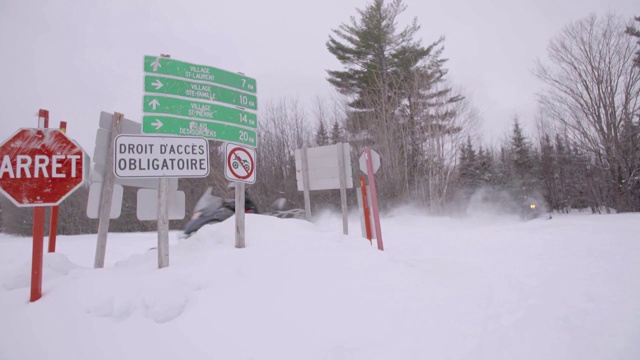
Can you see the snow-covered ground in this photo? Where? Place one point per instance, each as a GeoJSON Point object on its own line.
{"type": "Point", "coordinates": [482, 287]}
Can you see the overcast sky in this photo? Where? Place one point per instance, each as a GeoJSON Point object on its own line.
{"type": "Point", "coordinates": [77, 58]}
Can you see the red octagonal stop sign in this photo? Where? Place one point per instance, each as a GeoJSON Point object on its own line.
{"type": "Point", "coordinates": [40, 167]}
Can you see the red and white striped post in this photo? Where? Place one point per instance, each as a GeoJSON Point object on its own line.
{"type": "Point", "coordinates": [374, 197]}
{"type": "Point", "coordinates": [365, 209]}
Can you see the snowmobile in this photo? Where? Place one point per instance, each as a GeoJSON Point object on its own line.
{"type": "Point", "coordinates": [211, 209]}
{"type": "Point", "coordinates": [279, 210]}
{"type": "Point", "coordinates": [530, 209]}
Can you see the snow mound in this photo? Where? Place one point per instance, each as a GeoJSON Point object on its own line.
{"type": "Point", "coordinates": [19, 276]}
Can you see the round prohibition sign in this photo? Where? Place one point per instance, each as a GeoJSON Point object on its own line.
{"type": "Point", "coordinates": [240, 163]}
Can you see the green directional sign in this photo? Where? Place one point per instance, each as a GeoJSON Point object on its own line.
{"type": "Point", "coordinates": [159, 104]}
{"type": "Point", "coordinates": [207, 129]}
{"type": "Point", "coordinates": [167, 66]}
{"type": "Point", "coordinates": [194, 90]}
{"type": "Point", "coordinates": [188, 99]}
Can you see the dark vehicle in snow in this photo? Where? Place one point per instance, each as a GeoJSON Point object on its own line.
{"type": "Point", "coordinates": [212, 209]}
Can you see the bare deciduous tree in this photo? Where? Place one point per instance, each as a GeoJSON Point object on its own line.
{"type": "Point", "coordinates": [450, 124]}
{"type": "Point", "coordinates": [283, 129]}
{"type": "Point", "coordinates": [592, 91]}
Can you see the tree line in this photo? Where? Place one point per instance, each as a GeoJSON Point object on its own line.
{"type": "Point", "coordinates": [394, 95]}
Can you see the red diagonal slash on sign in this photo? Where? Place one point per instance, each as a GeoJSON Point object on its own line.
{"type": "Point", "coordinates": [244, 166]}
{"type": "Point", "coordinates": [248, 168]}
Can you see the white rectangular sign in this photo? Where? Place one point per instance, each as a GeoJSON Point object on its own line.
{"type": "Point", "coordinates": [103, 136]}
{"type": "Point", "coordinates": [323, 167]}
{"type": "Point", "coordinates": [138, 156]}
{"type": "Point", "coordinates": [93, 202]}
{"type": "Point", "coordinates": [147, 208]}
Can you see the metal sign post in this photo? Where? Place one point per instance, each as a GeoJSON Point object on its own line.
{"type": "Point", "coordinates": [240, 168]}
{"type": "Point", "coordinates": [148, 156]}
{"type": "Point", "coordinates": [163, 223]}
{"type": "Point", "coordinates": [240, 212]}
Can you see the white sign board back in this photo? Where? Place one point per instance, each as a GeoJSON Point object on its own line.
{"type": "Point", "coordinates": [93, 201]}
{"type": "Point", "coordinates": [375, 161]}
{"type": "Point", "coordinates": [323, 167]}
{"type": "Point", "coordinates": [147, 208]}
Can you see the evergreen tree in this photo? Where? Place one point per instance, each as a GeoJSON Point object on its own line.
{"type": "Point", "coordinates": [485, 167]}
{"type": "Point", "coordinates": [373, 51]}
{"type": "Point", "coordinates": [524, 177]}
{"type": "Point", "coordinates": [631, 30]}
{"type": "Point", "coordinates": [390, 79]}
{"type": "Point", "coordinates": [548, 173]}
{"type": "Point", "coordinates": [563, 162]}
{"type": "Point", "coordinates": [583, 181]}
{"type": "Point", "coordinates": [469, 169]}
{"type": "Point", "coordinates": [502, 177]}
{"type": "Point", "coordinates": [322, 138]}
{"type": "Point", "coordinates": [630, 167]}
{"type": "Point", "coordinates": [336, 133]}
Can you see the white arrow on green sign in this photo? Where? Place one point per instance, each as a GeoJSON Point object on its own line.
{"type": "Point", "coordinates": [159, 104]}
{"type": "Point", "coordinates": [195, 90]}
{"type": "Point", "coordinates": [206, 129]}
{"type": "Point", "coordinates": [167, 66]}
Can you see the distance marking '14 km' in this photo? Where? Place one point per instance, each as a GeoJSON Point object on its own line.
{"type": "Point", "coordinates": [160, 104]}
{"type": "Point", "coordinates": [206, 129]}
{"type": "Point", "coordinates": [167, 66]}
{"type": "Point", "coordinates": [194, 90]}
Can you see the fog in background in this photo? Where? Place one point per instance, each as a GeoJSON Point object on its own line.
{"type": "Point", "coordinates": [77, 58]}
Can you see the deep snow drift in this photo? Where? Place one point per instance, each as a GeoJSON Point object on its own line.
{"type": "Point", "coordinates": [476, 288]}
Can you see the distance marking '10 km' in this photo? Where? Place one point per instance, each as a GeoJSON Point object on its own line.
{"type": "Point", "coordinates": [161, 104]}
{"type": "Point", "coordinates": [194, 90]}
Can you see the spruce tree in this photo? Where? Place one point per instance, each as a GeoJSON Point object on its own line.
{"type": "Point", "coordinates": [390, 80]}
{"type": "Point", "coordinates": [485, 167]}
{"type": "Point", "coordinates": [548, 173]}
{"type": "Point", "coordinates": [372, 51]}
{"type": "Point", "coordinates": [468, 169]}
{"type": "Point", "coordinates": [631, 30]}
{"type": "Point", "coordinates": [322, 138]}
{"type": "Point", "coordinates": [336, 133]}
{"type": "Point", "coordinates": [563, 161]}
{"type": "Point", "coordinates": [583, 175]}
{"type": "Point", "coordinates": [630, 145]}
{"type": "Point", "coordinates": [524, 178]}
